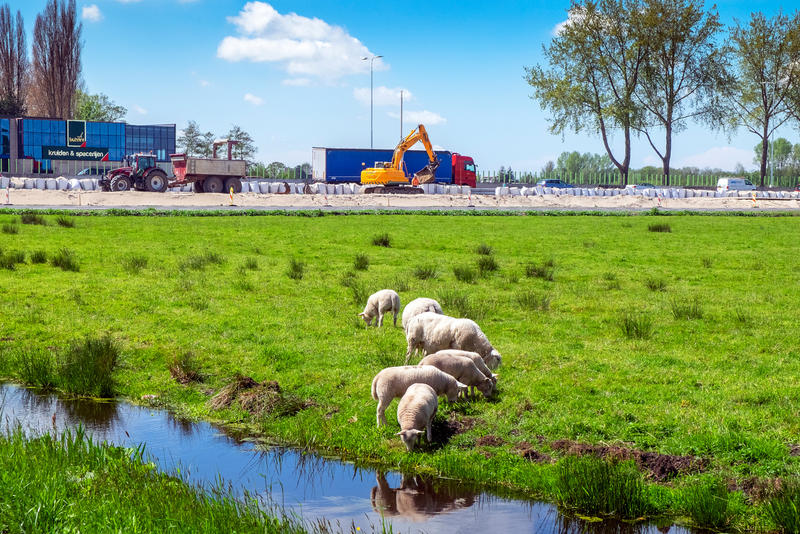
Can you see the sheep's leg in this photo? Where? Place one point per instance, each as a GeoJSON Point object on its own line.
{"type": "Point", "coordinates": [380, 319]}
{"type": "Point", "coordinates": [394, 313]}
{"type": "Point", "coordinates": [428, 429]}
{"type": "Point", "coordinates": [381, 412]}
{"type": "Point", "coordinates": [411, 347]}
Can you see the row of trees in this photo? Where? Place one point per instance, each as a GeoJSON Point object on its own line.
{"type": "Point", "coordinates": [50, 84]}
{"type": "Point", "coordinates": [784, 157]}
{"type": "Point", "coordinates": [650, 67]}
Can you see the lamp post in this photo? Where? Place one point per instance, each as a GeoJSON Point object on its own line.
{"type": "Point", "coordinates": [371, 59]}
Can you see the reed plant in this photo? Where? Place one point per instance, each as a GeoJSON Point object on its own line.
{"type": "Point", "coordinates": [86, 366]}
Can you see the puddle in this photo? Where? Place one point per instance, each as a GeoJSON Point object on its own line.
{"type": "Point", "coordinates": [311, 486]}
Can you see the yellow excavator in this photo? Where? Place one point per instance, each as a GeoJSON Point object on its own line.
{"type": "Point", "coordinates": [390, 177]}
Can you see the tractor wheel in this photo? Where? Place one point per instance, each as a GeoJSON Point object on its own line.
{"type": "Point", "coordinates": [120, 183]}
{"type": "Point", "coordinates": [156, 182]}
{"type": "Point", "coordinates": [235, 183]}
{"type": "Point", "coordinates": [212, 184]}
{"type": "Point", "coordinates": [197, 187]}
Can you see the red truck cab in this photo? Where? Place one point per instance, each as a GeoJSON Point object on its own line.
{"type": "Point", "coordinates": [464, 170]}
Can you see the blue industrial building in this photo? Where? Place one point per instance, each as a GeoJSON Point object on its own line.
{"type": "Point", "coordinates": [32, 145]}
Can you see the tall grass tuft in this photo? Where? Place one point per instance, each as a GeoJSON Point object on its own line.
{"type": "Point", "coordinates": [486, 265]}
{"type": "Point", "coordinates": [135, 263]}
{"type": "Point", "coordinates": [38, 256]}
{"type": "Point", "coordinates": [65, 260]}
{"type": "Point", "coordinates": [706, 502]}
{"type": "Point", "coordinates": [656, 284]}
{"type": "Point", "coordinates": [659, 227]}
{"type": "Point", "coordinates": [10, 228]}
{"type": "Point", "coordinates": [198, 262]}
{"type": "Point", "coordinates": [545, 271]}
{"type": "Point", "coordinates": [65, 222]}
{"type": "Point", "coordinates": [707, 262]}
{"type": "Point", "coordinates": [400, 284]}
{"type": "Point", "coordinates": [484, 250]}
{"type": "Point", "coordinates": [296, 269]}
{"type": "Point", "coordinates": [185, 368]}
{"type": "Point", "coordinates": [460, 302]}
{"type": "Point", "coordinates": [361, 262]}
{"type": "Point", "coordinates": [464, 274]}
{"type": "Point", "coordinates": [10, 259]}
{"type": "Point", "coordinates": [425, 272]}
{"type": "Point", "coordinates": [687, 310]}
{"type": "Point", "coordinates": [532, 301]}
{"type": "Point", "coordinates": [36, 368]}
{"type": "Point", "coordinates": [33, 218]}
{"type": "Point", "coordinates": [382, 240]}
{"type": "Point", "coordinates": [250, 264]}
{"type": "Point", "coordinates": [87, 366]}
{"type": "Point", "coordinates": [595, 486]}
{"type": "Point", "coordinates": [783, 508]}
{"type": "Point", "coordinates": [636, 326]}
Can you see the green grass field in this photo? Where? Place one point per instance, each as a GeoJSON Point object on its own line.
{"type": "Point", "coordinates": [680, 340]}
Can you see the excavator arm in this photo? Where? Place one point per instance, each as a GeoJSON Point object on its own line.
{"type": "Point", "coordinates": [426, 174]}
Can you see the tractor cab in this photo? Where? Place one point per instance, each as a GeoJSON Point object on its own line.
{"type": "Point", "coordinates": [142, 162]}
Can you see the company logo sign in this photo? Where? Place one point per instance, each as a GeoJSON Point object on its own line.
{"type": "Point", "coordinates": [76, 134]}
{"type": "Point", "coordinates": [87, 154]}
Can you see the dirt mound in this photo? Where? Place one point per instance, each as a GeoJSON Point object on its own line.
{"type": "Point", "coordinates": [526, 450]}
{"type": "Point", "coordinates": [258, 398]}
{"type": "Point", "coordinates": [757, 489]}
{"type": "Point", "coordinates": [661, 467]}
{"type": "Point", "coordinates": [489, 441]}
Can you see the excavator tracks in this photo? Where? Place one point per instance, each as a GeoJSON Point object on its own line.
{"type": "Point", "coordinates": [393, 190]}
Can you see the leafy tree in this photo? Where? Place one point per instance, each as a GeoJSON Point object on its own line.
{"type": "Point", "coordinates": [245, 148]}
{"type": "Point", "coordinates": [548, 167]}
{"type": "Point", "coordinates": [595, 64]}
{"type": "Point", "coordinates": [56, 59]}
{"type": "Point", "coordinates": [684, 71]}
{"type": "Point", "coordinates": [780, 154]}
{"type": "Point", "coordinates": [275, 169]}
{"type": "Point", "coordinates": [97, 108]}
{"type": "Point", "coordinates": [193, 142]}
{"type": "Point", "coordinates": [206, 148]}
{"type": "Point", "coordinates": [766, 55]}
{"type": "Point", "coordinates": [14, 65]}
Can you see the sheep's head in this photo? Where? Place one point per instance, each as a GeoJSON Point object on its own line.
{"type": "Point", "coordinates": [493, 360]}
{"type": "Point", "coordinates": [410, 437]}
{"type": "Point", "coordinates": [486, 387]}
{"type": "Point", "coordinates": [367, 318]}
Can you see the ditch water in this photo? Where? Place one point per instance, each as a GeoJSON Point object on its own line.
{"type": "Point", "coordinates": [308, 485]}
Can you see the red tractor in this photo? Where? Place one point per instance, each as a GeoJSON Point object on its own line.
{"type": "Point", "coordinates": [141, 173]}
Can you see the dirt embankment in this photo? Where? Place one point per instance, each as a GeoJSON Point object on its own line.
{"type": "Point", "coordinates": [137, 199]}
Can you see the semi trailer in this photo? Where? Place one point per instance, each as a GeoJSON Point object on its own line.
{"type": "Point", "coordinates": [344, 165]}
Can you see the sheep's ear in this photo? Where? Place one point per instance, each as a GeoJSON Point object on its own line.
{"type": "Point", "coordinates": [495, 375]}
{"type": "Point", "coordinates": [418, 432]}
{"type": "Point", "coordinates": [360, 314]}
{"type": "Point", "coordinates": [399, 433]}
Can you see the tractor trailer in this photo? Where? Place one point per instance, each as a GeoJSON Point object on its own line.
{"type": "Point", "coordinates": [344, 165]}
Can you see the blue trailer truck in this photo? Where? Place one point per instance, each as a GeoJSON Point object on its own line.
{"type": "Point", "coordinates": [344, 165]}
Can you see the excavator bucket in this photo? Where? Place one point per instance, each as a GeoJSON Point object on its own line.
{"type": "Point", "coordinates": [427, 174]}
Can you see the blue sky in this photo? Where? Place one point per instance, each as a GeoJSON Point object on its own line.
{"type": "Point", "coordinates": [290, 74]}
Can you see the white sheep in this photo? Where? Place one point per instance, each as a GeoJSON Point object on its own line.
{"type": "Point", "coordinates": [477, 360]}
{"type": "Point", "coordinates": [415, 412]}
{"type": "Point", "coordinates": [392, 383]}
{"type": "Point", "coordinates": [463, 369]}
{"type": "Point", "coordinates": [432, 333]}
{"type": "Point", "coordinates": [380, 302]}
{"type": "Point", "coordinates": [417, 306]}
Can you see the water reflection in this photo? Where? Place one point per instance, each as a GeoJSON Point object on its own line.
{"type": "Point", "coordinates": [308, 485]}
{"type": "Point", "coordinates": [418, 498]}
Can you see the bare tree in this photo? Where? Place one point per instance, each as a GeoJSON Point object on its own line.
{"type": "Point", "coordinates": [57, 58]}
{"type": "Point", "coordinates": [595, 63]}
{"type": "Point", "coordinates": [766, 53]}
{"type": "Point", "coordinates": [685, 72]}
{"type": "Point", "coordinates": [13, 63]}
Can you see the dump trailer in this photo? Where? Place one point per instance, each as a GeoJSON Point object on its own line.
{"type": "Point", "coordinates": [344, 165]}
{"type": "Point", "coordinates": [210, 175]}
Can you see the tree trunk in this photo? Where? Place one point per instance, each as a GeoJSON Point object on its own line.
{"type": "Point", "coordinates": [764, 149]}
{"type": "Point", "coordinates": [667, 153]}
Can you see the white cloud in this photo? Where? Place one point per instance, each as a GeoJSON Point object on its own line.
{"type": "Point", "coordinates": [140, 110]}
{"type": "Point", "coordinates": [719, 157]}
{"type": "Point", "coordinates": [428, 118]}
{"type": "Point", "coordinates": [383, 96]}
{"type": "Point", "coordinates": [575, 15]}
{"type": "Point", "coordinates": [302, 46]}
{"type": "Point", "coordinates": [204, 83]}
{"type": "Point", "coordinates": [91, 13]}
{"type": "Point", "coordinates": [297, 82]}
{"type": "Point", "coordinates": [253, 99]}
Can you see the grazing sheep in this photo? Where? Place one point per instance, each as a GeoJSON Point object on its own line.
{"type": "Point", "coordinates": [385, 300]}
{"type": "Point", "coordinates": [462, 369]}
{"type": "Point", "coordinates": [417, 306]}
{"type": "Point", "coordinates": [476, 359]}
{"type": "Point", "coordinates": [417, 499]}
{"type": "Point", "coordinates": [415, 412]}
{"type": "Point", "coordinates": [432, 333]}
{"type": "Point", "coordinates": [392, 383]}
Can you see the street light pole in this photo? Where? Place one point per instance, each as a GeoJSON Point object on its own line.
{"type": "Point", "coordinates": [373, 58]}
